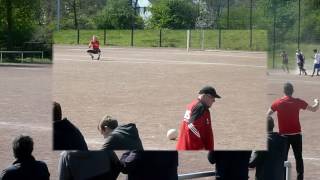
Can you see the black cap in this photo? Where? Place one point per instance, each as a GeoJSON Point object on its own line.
{"type": "Point", "coordinates": [209, 90]}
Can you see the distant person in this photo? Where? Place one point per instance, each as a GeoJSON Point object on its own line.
{"type": "Point", "coordinates": [195, 129]}
{"type": "Point", "coordinates": [285, 61]}
{"type": "Point", "coordinates": [95, 45]}
{"type": "Point", "coordinates": [300, 61]}
{"type": "Point", "coordinates": [89, 165]}
{"type": "Point", "coordinates": [66, 136]}
{"type": "Point", "coordinates": [119, 137]}
{"type": "Point", "coordinates": [316, 62]}
{"type": "Point", "coordinates": [288, 109]}
{"type": "Point", "coordinates": [270, 164]}
{"type": "Point", "coordinates": [25, 166]}
{"type": "Point", "coordinates": [147, 165]}
{"type": "Point", "coordinates": [230, 165]}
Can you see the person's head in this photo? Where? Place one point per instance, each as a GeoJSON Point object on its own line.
{"type": "Point", "coordinates": [208, 95]}
{"type": "Point", "coordinates": [298, 50]}
{"type": "Point", "coordinates": [315, 50]}
{"type": "Point", "coordinates": [107, 125]}
{"type": "Point", "coordinates": [22, 147]}
{"type": "Point", "coordinates": [288, 89]}
{"type": "Point", "coordinates": [283, 52]}
{"type": "Point", "coordinates": [94, 38]}
{"type": "Point", "coordinates": [270, 124]}
{"type": "Point", "coordinates": [57, 112]}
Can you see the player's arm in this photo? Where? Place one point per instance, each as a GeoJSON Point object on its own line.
{"type": "Point", "coordinates": [270, 112]}
{"type": "Point", "coordinates": [314, 107]}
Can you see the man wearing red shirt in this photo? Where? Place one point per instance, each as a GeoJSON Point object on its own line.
{"type": "Point", "coordinates": [288, 109]}
{"type": "Point", "coordinates": [195, 129]}
{"type": "Point", "coordinates": [94, 44]}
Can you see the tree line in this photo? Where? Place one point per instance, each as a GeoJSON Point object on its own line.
{"type": "Point", "coordinates": [29, 20]}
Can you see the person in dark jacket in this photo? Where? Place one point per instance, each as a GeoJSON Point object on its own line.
{"type": "Point", "coordinates": [146, 165]}
{"type": "Point", "coordinates": [123, 137]}
{"type": "Point", "coordinates": [270, 164]}
{"type": "Point", "coordinates": [66, 136]}
{"type": "Point", "coordinates": [230, 165]}
{"type": "Point", "coordinates": [89, 165]}
{"type": "Point", "coordinates": [25, 166]}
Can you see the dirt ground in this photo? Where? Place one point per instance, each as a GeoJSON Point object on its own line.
{"type": "Point", "coordinates": [151, 87]}
{"type": "Point", "coordinates": [27, 92]}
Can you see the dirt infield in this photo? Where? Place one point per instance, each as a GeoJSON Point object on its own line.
{"type": "Point", "coordinates": [151, 87]}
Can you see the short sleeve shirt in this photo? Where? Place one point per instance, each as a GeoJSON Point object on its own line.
{"type": "Point", "coordinates": [288, 109]}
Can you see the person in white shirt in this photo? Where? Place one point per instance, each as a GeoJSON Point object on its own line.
{"type": "Point", "coordinates": [316, 62]}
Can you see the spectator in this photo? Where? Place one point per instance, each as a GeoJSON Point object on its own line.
{"type": "Point", "coordinates": [25, 166]}
{"type": "Point", "coordinates": [288, 110]}
{"type": "Point", "coordinates": [230, 165]}
{"type": "Point", "coordinates": [270, 164]}
{"type": "Point", "coordinates": [66, 136]}
{"type": "Point", "coordinates": [123, 137]}
{"type": "Point", "coordinates": [146, 165]}
{"type": "Point", "coordinates": [89, 165]}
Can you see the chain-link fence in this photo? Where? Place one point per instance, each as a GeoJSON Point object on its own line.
{"type": "Point", "coordinates": [293, 25]}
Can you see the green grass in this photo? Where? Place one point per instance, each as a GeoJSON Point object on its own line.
{"type": "Point", "coordinates": [290, 48]}
{"type": "Point", "coordinates": [230, 39]}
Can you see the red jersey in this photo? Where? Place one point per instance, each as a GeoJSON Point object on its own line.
{"type": "Point", "coordinates": [94, 44]}
{"type": "Point", "coordinates": [288, 114]}
{"type": "Point", "coordinates": [195, 130]}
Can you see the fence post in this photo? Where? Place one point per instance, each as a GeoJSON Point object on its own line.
{"type": "Point", "coordinates": [251, 6]}
{"type": "Point", "coordinates": [1, 57]}
{"type": "Point", "coordinates": [104, 36]}
{"type": "Point", "coordinates": [188, 40]}
{"type": "Point", "coordinates": [299, 24]}
{"type": "Point", "coordinates": [160, 38]}
{"type": "Point", "coordinates": [219, 38]}
{"type": "Point", "coordinates": [202, 39]}
{"type": "Point", "coordinates": [22, 57]}
{"type": "Point", "coordinates": [78, 36]}
{"type": "Point", "coordinates": [287, 165]}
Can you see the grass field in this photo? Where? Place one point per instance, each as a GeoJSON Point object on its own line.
{"type": "Point", "coordinates": [230, 39]}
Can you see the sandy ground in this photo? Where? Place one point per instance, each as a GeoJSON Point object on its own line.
{"type": "Point", "coordinates": [151, 87]}
{"type": "Point", "coordinates": [26, 94]}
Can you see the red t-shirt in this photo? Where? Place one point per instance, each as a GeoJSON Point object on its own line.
{"type": "Point", "coordinates": [195, 130]}
{"type": "Point", "coordinates": [288, 114]}
{"type": "Point", "coordinates": [95, 44]}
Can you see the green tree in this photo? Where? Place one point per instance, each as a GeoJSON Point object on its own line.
{"type": "Point", "coordinates": [173, 14]}
{"type": "Point", "coordinates": [119, 14]}
{"type": "Point", "coordinates": [18, 19]}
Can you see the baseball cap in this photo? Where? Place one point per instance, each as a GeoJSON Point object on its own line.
{"type": "Point", "coordinates": [209, 90]}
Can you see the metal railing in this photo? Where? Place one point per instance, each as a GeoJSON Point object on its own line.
{"type": "Point", "coordinates": [287, 165]}
{"type": "Point", "coordinates": [196, 175]}
{"type": "Point", "coordinates": [20, 52]}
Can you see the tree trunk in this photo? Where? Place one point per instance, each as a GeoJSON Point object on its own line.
{"type": "Point", "coordinates": [9, 24]}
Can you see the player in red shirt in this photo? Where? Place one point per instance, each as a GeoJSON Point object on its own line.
{"type": "Point", "coordinates": [288, 109]}
{"type": "Point", "coordinates": [195, 129]}
{"type": "Point", "coordinates": [94, 44]}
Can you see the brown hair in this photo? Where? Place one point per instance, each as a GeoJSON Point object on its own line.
{"type": "Point", "coordinates": [107, 121]}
